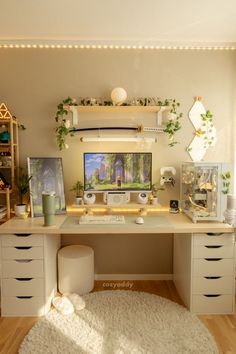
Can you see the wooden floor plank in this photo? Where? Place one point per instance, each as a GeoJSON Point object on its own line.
{"type": "Point", "coordinates": [222, 327]}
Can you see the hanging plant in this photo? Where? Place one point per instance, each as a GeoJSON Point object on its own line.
{"type": "Point", "coordinates": [207, 129]}
{"type": "Point", "coordinates": [173, 122]}
{"type": "Point", "coordinates": [64, 128]}
{"type": "Point", "coordinates": [226, 177]}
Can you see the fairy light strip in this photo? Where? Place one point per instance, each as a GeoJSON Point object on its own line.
{"type": "Point", "coordinates": [112, 47]}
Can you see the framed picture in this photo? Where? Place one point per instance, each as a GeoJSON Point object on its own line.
{"type": "Point", "coordinates": [47, 176]}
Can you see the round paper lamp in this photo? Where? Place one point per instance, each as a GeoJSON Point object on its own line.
{"type": "Point", "coordinates": [118, 95]}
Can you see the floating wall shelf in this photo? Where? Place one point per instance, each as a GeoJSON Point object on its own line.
{"type": "Point", "coordinates": [118, 109]}
{"type": "Point", "coordinates": [158, 110]}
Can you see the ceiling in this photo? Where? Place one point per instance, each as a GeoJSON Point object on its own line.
{"type": "Point", "coordinates": [119, 22]}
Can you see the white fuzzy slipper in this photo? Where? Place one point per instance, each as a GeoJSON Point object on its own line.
{"type": "Point", "coordinates": [76, 300]}
{"type": "Point", "coordinates": [63, 305]}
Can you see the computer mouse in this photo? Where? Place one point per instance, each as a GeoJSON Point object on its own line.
{"type": "Point", "coordinates": [139, 220]}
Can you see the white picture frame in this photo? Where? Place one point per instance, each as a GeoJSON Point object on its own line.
{"type": "Point", "coordinates": [47, 176]}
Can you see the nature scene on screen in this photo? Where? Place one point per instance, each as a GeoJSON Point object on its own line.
{"type": "Point", "coordinates": [117, 171]}
{"type": "Point", "coordinates": [47, 176]}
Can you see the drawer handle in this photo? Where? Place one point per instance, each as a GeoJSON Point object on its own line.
{"type": "Point", "coordinates": [212, 295]}
{"type": "Point", "coordinates": [23, 279]}
{"type": "Point", "coordinates": [219, 246]}
{"type": "Point", "coordinates": [24, 297]}
{"type": "Point", "coordinates": [22, 235]}
{"type": "Point", "coordinates": [23, 260]}
{"type": "Point", "coordinates": [23, 247]}
{"type": "Point", "coordinates": [214, 234]}
{"type": "Point", "coordinates": [212, 259]}
{"type": "Point", "coordinates": [212, 277]}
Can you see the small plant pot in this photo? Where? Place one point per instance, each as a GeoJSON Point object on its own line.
{"type": "Point", "coordinates": [20, 209]}
{"type": "Point", "coordinates": [154, 201]}
{"type": "Point", "coordinates": [78, 200]}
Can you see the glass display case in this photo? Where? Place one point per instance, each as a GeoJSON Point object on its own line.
{"type": "Point", "coordinates": [203, 196]}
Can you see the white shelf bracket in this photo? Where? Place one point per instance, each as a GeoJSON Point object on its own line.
{"type": "Point", "coordinates": [75, 118]}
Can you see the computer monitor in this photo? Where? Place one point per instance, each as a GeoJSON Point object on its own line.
{"type": "Point", "coordinates": [117, 171]}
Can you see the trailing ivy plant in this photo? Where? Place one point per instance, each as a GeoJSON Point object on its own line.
{"type": "Point", "coordinates": [63, 129]}
{"type": "Point", "coordinates": [207, 129]}
{"type": "Point", "coordinates": [173, 123]}
{"type": "Point", "coordinates": [226, 182]}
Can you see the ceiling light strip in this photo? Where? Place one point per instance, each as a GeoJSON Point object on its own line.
{"type": "Point", "coordinates": [112, 47]}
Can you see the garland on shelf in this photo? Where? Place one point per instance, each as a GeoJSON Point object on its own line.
{"type": "Point", "coordinates": [64, 128]}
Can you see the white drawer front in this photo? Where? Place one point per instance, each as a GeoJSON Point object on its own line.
{"type": "Point", "coordinates": [213, 267]}
{"type": "Point", "coordinates": [23, 287]}
{"type": "Point", "coordinates": [22, 240]}
{"type": "Point", "coordinates": [14, 306]}
{"type": "Point", "coordinates": [213, 239]}
{"type": "Point", "coordinates": [213, 251]}
{"type": "Point", "coordinates": [222, 304]}
{"type": "Point", "coordinates": [212, 285]}
{"type": "Point", "coordinates": [21, 269]}
{"type": "Point", "coordinates": [22, 252]}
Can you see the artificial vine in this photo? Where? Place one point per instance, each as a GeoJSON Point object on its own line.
{"type": "Point", "coordinates": [207, 128]}
{"type": "Point", "coordinates": [173, 123]}
{"type": "Point", "coordinates": [226, 182]}
{"type": "Point", "coordinates": [64, 129]}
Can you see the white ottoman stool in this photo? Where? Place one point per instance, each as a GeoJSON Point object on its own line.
{"type": "Point", "coordinates": [75, 269]}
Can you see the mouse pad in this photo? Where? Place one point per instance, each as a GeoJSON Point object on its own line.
{"type": "Point", "coordinates": [149, 221]}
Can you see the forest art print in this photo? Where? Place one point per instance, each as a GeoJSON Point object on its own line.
{"type": "Point", "coordinates": [117, 171]}
{"type": "Point", "coordinates": [47, 176]}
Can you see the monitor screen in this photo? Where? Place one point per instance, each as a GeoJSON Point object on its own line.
{"type": "Point", "coordinates": [117, 171]}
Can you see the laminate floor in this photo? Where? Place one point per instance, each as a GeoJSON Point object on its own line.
{"type": "Point", "coordinates": [222, 327]}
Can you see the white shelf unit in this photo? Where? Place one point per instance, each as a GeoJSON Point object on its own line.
{"type": "Point", "coordinates": [28, 273]}
{"type": "Point", "coordinates": [119, 109]}
{"type": "Point", "coordinates": [158, 110]}
{"type": "Point", "coordinates": [10, 170]}
{"type": "Point", "coordinates": [204, 271]}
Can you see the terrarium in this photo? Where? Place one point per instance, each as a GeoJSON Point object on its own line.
{"type": "Point", "coordinates": [203, 196]}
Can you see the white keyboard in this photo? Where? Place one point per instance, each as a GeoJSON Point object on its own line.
{"type": "Point", "coordinates": [102, 219]}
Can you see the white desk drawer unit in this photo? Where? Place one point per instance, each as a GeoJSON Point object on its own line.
{"type": "Point", "coordinates": [214, 304]}
{"type": "Point", "coordinates": [22, 240]}
{"type": "Point", "coordinates": [204, 271]}
{"type": "Point", "coordinates": [212, 285]}
{"type": "Point", "coordinates": [23, 268]}
{"type": "Point", "coordinates": [23, 287]}
{"type": "Point", "coordinates": [23, 252]}
{"type": "Point", "coordinates": [28, 273]}
{"type": "Point", "coordinates": [23, 306]}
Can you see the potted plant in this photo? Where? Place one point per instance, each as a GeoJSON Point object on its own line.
{"type": "Point", "coordinates": [22, 184]}
{"type": "Point", "coordinates": [78, 188]}
{"type": "Point", "coordinates": [155, 190]}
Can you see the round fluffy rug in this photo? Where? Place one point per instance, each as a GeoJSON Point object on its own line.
{"type": "Point", "coordinates": [120, 322]}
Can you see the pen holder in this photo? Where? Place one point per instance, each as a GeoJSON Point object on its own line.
{"type": "Point", "coordinates": [48, 208]}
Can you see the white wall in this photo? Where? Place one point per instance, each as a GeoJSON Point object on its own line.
{"type": "Point", "coordinates": [34, 81]}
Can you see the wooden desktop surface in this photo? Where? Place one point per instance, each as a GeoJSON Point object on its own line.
{"type": "Point", "coordinates": [160, 223]}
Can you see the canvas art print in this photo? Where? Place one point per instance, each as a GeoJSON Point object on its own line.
{"type": "Point", "coordinates": [47, 176]}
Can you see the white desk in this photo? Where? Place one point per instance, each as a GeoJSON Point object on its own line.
{"type": "Point", "coordinates": [154, 224]}
{"type": "Point", "coordinates": [203, 272]}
